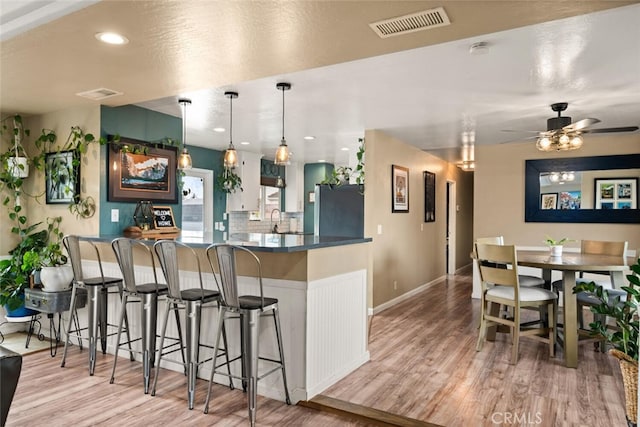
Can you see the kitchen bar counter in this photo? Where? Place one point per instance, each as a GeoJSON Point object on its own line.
{"type": "Point", "coordinates": [321, 285]}
{"type": "Point", "coordinates": [259, 242]}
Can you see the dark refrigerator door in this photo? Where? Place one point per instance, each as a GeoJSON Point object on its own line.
{"type": "Point", "coordinates": [339, 211]}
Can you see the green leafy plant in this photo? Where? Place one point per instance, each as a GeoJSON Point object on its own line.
{"type": "Point", "coordinates": [228, 181]}
{"type": "Point", "coordinates": [343, 174]}
{"type": "Point", "coordinates": [553, 242]}
{"type": "Point", "coordinates": [624, 337]}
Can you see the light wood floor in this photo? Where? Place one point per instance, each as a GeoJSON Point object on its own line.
{"type": "Point", "coordinates": [423, 366]}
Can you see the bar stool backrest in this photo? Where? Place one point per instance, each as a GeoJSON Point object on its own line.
{"type": "Point", "coordinates": [72, 244]}
{"type": "Point", "coordinates": [223, 256]}
{"type": "Point", "coordinates": [124, 249]}
{"type": "Point", "coordinates": [167, 252]}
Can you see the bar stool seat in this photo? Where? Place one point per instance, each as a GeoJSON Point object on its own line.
{"type": "Point", "coordinates": [131, 255]}
{"type": "Point", "coordinates": [98, 289]}
{"type": "Point", "coordinates": [222, 258]}
{"type": "Point", "coordinates": [204, 295]}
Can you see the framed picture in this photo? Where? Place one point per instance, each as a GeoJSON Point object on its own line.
{"type": "Point", "coordinates": [62, 177]}
{"type": "Point", "coordinates": [399, 189]}
{"type": "Point", "coordinates": [569, 200]}
{"type": "Point", "coordinates": [616, 193]}
{"type": "Point", "coordinates": [429, 196]}
{"type": "Point", "coordinates": [549, 201]}
{"type": "Point", "coordinates": [150, 175]}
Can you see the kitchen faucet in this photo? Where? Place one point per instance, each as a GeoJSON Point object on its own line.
{"type": "Point", "coordinates": [274, 228]}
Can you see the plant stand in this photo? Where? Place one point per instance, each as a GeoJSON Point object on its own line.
{"type": "Point", "coordinates": [34, 321]}
{"type": "Point", "coordinates": [629, 368]}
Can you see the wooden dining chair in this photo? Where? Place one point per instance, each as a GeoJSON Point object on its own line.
{"type": "Point", "coordinates": [502, 286]}
{"type": "Point", "coordinates": [586, 299]}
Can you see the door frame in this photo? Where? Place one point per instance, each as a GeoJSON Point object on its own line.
{"type": "Point", "coordinates": [452, 209]}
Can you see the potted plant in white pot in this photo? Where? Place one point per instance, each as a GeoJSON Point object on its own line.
{"type": "Point", "coordinates": [623, 336]}
{"type": "Point", "coordinates": [55, 273]}
{"type": "Point", "coordinates": [555, 246]}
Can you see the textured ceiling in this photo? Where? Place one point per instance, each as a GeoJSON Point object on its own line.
{"type": "Point", "coordinates": [424, 87]}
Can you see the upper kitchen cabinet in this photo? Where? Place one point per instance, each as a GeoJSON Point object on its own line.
{"type": "Point", "coordinates": [249, 171]}
{"type": "Point", "coordinates": [294, 191]}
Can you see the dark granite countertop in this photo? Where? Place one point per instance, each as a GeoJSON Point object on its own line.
{"type": "Point", "coordinates": [261, 242]}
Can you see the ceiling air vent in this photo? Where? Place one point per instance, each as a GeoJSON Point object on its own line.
{"type": "Point", "coordinates": [99, 94]}
{"type": "Point", "coordinates": [418, 21]}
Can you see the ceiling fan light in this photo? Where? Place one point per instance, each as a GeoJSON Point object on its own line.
{"type": "Point", "coordinates": [544, 143]}
{"type": "Point", "coordinates": [554, 177]}
{"type": "Point", "coordinates": [564, 139]}
{"type": "Point", "coordinates": [576, 142]}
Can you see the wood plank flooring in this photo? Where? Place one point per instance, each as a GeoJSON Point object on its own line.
{"type": "Point", "coordinates": [423, 366]}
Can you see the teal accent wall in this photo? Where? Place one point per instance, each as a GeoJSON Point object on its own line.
{"type": "Point", "coordinates": [313, 174]}
{"type": "Point", "coordinates": [139, 123]}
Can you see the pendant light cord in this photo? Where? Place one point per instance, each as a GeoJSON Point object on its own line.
{"type": "Point", "coordinates": [184, 124]}
{"type": "Point", "coordinates": [282, 113]}
{"type": "Point", "coordinates": [230, 121]}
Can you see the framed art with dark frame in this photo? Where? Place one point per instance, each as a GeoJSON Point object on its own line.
{"type": "Point", "coordinates": [429, 196]}
{"type": "Point", "coordinates": [616, 193]}
{"type": "Point", "coordinates": [399, 189]}
{"type": "Point", "coordinates": [549, 201]}
{"type": "Point", "coordinates": [62, 177]}
{"type": "Point", "coordinates": [149, 175]}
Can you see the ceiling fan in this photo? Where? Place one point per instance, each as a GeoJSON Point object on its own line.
{"type": "Point", "coordinates": [562, 134]}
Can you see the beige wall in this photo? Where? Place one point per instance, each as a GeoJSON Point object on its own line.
{"type": "Point", "coordinates": [60, 122]}
{"type": "Point", "coordinates": [410, 251]}
{"type": "Point", "coordinates": [499, 193]}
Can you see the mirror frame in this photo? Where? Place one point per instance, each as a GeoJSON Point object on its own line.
{"type": "Point", "coordinates": [533, 168]}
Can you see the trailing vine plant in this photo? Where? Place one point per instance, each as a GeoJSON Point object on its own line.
{"type": "Point", "coordinates": [343, 174]}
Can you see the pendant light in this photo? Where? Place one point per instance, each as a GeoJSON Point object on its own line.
{"type": "Point", "coordinates": [231, 156]}
{"type": "Point", "coordinates": [184, 161]}
{"type": "Point", "coordinates": [282, 153]}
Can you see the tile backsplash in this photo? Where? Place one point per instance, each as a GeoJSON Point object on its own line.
{"type": "Point", "coordinates": [289, 222]}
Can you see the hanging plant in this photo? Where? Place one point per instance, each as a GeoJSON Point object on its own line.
{"type": "Point", "coordinates": [228, 181]}
{"type": "Point", "coordinates": [343, 174]}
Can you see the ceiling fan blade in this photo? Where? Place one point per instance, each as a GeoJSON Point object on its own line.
{"type": "Point", "coordinates": [609, 130]}
{"type": "Point", "coordinates": [581, 124]}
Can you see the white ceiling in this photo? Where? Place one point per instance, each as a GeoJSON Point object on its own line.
{"type": "Point", "coordinates": [427, 96]}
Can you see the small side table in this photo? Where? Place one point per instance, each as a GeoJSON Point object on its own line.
{"type": "Point", "coordinates": [52, 303]}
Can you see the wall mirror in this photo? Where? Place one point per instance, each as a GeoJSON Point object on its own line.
{"type": "Point", "coordinates": [598, 189]}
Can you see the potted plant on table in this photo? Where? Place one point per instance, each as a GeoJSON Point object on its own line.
{"type": "Point", "coordinates": [623, 336]}
{"type": "Point", "coordinates": [555, 246]}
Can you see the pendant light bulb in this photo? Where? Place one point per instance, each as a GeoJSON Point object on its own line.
{"type": "Point", "coordinates": [184, 162]}
{"type": "Point", "coordinates": [231, 156]}
{"type": "Point", "coordinates": [282, 153]}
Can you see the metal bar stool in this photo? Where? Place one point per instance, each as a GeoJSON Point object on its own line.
{"type": "Point", "coordinates": [97, 296]}
{"type": "Point", "coordinates": [192, 300]}
{"type": "Point", "coordinates": [250, 308]}
{"type": "Point", "coordinates": [144, 294]}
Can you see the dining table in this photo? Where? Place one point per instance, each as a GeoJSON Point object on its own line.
{"type": "Point", "coordinates": [569, 264]}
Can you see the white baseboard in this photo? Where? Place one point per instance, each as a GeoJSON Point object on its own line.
{"type": "Point", "coordinates": [406, 295]}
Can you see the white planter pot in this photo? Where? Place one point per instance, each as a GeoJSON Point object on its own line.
{"type": "Point", "coordinates": [18, 166]}
{"type": "Point", "coordinates": [556, 250]}
{"type": "Point", "coordinates": [55, 279]}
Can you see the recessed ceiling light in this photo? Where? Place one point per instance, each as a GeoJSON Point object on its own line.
{"type": "Point", "coordinates": [309, 138]}
{"type": "Point", "coordinates": [219, 129]}
{"type": "Point", "coordinates": [345, 149]}
{"type": "Point", "coordinates": [112, 38]}
{"type": "Point", "coordinates": [245, 143]}
{"type": "Point", "coordinates": [322, 161]}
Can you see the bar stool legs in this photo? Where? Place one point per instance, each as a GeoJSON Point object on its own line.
{"type": "Point", "coordinates": [250, 329]}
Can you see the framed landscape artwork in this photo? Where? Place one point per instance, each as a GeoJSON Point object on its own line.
{"type": "Point", "coordinates": [149, 175]}
{"type": "Point", "coordinates": [616, 193]}
{"type": "Point", "coordinates": [399, 189]}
